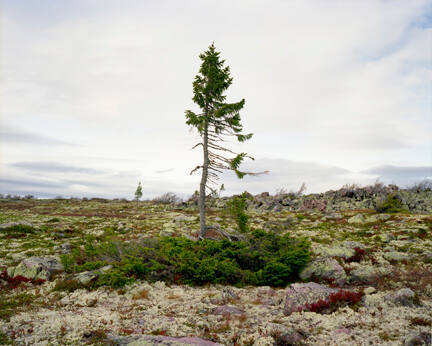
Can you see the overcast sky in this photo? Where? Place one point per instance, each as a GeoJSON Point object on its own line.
{"type": "Point", "coordinates": [93, 93]}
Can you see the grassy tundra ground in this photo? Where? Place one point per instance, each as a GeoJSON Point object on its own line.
{"type": "Point", "coordinates": [386, 258]}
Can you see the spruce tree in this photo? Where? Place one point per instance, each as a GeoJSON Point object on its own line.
{"type": "Point", "coordinates": [216, 120]}
{"type": "Point", "coordinates": [138, 192]}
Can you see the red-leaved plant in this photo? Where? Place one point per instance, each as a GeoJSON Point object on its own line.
{"type": "Point", "coordinates": [14, 282]}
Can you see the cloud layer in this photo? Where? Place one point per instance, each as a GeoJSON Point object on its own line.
{"type": "Point", "coordinates": [99, 88]}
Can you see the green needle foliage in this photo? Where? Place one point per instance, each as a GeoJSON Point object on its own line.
{"type": "Point", "coordinates": [237, 208]}
{"type": "Point", "coordinates": [261, 259]}
{"type": "Point", "coordinates": [217, 120]}
{"type": "Point", "coordinates": [138, 192]}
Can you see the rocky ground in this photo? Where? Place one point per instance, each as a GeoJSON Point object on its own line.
{"type": "Point", "coordinates": [384, 258]}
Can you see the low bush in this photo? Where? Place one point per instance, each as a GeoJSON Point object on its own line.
{"type": "Point", "coordinates": [391, 204]}
{"type": "Point", "coordinates": [263, 259]}
{"type": "Point", "coordinates": [167, 198]}
{"type": "Point", "coordinates": [237, 208]}
{"type": "Point", "coordinates": [18, 231]}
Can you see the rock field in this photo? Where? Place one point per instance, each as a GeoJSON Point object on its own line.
{"type": "Point", "coordinates": [383, 259]}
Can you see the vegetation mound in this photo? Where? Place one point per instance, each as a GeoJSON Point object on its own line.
{"type": "Point", "coordinates": [263, 259]}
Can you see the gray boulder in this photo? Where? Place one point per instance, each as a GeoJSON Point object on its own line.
{"type": "Point", "coordinates": [336, 251]}
{"type": "Point", "coordinates": [324, 269]}
{"type": "Point", "coordinates": [395, 256]}
{"type": "Point", "coordinates": [357, 219]}
{"type": "Point", "coordinates": [363, 274]}
{"type": "Point", "coordinates": [87, 276]}
{"type": "Point", "coordinates": [10, 224]}
{"type": "Point", "coordinates": [300, 294]}
{"type": "Point", "coordinates": [147, 340]}
{"type": "Point", "coordinates": [419, 339]}
{"type": "Point", "coordinates": [38, 267]}
{"type": "Point", "coordinates": [404, 297]}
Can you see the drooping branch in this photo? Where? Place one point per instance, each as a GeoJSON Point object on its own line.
{"type": "Point", "coordinates": [195, 169]}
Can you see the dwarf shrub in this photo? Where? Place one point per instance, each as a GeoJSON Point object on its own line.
{"type": "Point", "coordinates": [262, 259]}
{"type": "Point", "coordinates": [392, 204]}
{"type": "Point", "coordinates": [237, 208]}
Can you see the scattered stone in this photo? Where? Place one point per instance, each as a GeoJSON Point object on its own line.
{"type": "Point", "coordinates": [324, 269]}
{"type": "Point", "coordinates": [369, 290]}
{"type": "Point", "coordinates": [386, 237]}
{"type": "Point", "coordinates": [87, 276]}
{"type": "Point", "coordinates": [419, 339]}
{"type": "Point", "coordinates": [38, 267]}
{"type": "Point", "coordinates": [357, 219]}
{"type": "Point", "coordinates": [10, 224]}
{"type": "Point", "coordinates": [300, 294]}
{"type": "Point", "coordinates": [333, 216]}
{"type": "Point", "coordinates": [336, 251]}
{"type": "Point", "coordinates": [64, 248]}
{"type": "Point", "coordinates": [363, 274]}
{"type": "Point", "coordinates": [353, 244]}
{"type": "Point", "coordinates": [396, 256]}
{"type": "Point", "coordinates": [404, 297]}
{"type": "Point", "coordinates": [184, 218]}
{"type": "Point", "coordinates": [291, 338]}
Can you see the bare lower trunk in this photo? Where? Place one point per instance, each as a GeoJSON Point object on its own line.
{"type": "Point", "coordinates": [202, 195]}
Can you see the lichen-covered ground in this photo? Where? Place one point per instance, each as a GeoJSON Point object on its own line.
{"type": "Point", "coordinates": [397, 254]}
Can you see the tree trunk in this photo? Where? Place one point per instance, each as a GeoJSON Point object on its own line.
{"type": "Point", "coordinates": [202, 195]}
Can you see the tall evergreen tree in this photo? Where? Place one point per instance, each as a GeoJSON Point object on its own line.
{"type": "Point", "coordinates": [216, 120]}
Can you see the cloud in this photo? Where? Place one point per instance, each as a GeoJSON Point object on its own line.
{"type": "Point", "coordinates": [402, 176]}
{"type": "Point", "coordinates": [164, 170]}
{"type": "Point", "coordinates": [54, 167]}
{"type": "Point", "coordinates": [20, 185]}
{"type": "Point", "coordinates": [341, 84]}
{"type": "Point", "coordinates": [14, 136]}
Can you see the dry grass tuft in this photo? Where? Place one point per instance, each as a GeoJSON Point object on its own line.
{"type": "Point", "coordinates": [143, 294]}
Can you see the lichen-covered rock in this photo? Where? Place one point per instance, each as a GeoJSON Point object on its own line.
{"type": "Point", "coordinates": [352, 244]}
{"type": "Point", "coordinates": [324, 269]}
{"type": "Point", "coordinates": [419, 339]}
{"type": "Point", "coordinates": [299, 294]}
{"type": "Point", "coordinates": [386, 237]}
{"type": "Point", "coordinates": [10, 224]}
{"type": "Point", "coordinates": [291, 338]}
{"type": "Point", "coordinates": [364, 274]}
{"type": "Point", "coordinates": [64, 248]}
{"type": "Point", "coordinates": [147, 340]}
{"type": "Point", "coordinates": [38, 267]}
{"type": "Point", "coordinates": [184, 218]}
{"type": "Point", "coordinates": [357, 219]}
{"type": "Point", "coordinates": [395, 256]}
{"type": "Point", "coordinates": [87, 276]}
{"type": "Point", "coordinates": [336, 251]}
{"type": "Point", "coordinates": [404, 297]}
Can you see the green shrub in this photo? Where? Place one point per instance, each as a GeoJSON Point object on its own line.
{"type": "Point", "coordinates": [237, 208]}
{"type": "Point", "coordinates": [4, 339]}
{"type": "Point", "coordinates": [262, 259]}
{"type": "Point", "coordinates": [391, 204]}
{"type": "Point", "coordinates": [68, 262]}
{"type": "Point", "coordinates": [18, 231]}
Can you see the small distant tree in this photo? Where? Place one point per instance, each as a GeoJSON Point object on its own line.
{"type": "Point", "coordinates": [216, 120]}
{"type": "Point", "coordinates": [138, 192]}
